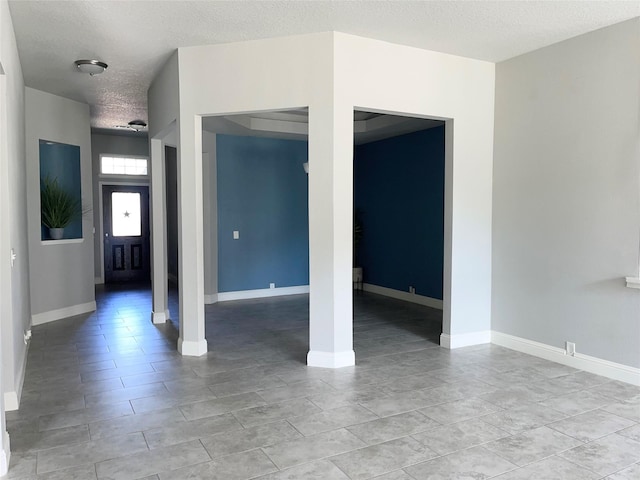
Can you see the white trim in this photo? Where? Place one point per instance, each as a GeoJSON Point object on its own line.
{"type": "Point", "coordinates": [160, 317]}
{"type": "Point", "coordinates": [192, 349]}
{"type": "Point", "coordinates": [64, 241]}
{"type": "Point", "coordinates": [331, 359]}
{"type": "Point", "coordinates": [406, 296]}
{"type": "Point", "coordinates": [262, 293]}
{"type": "Point", "coordinates": [633, 282]}
{"type": "Point", "coordinates": [12, 398]}
{"type": "Point", "coordinates": [465, 339]}
{"type": "Point", "coordinates": [210, 298]}
{"type": "Point", "coordinates": [5, 454]}
{"type": "Point", "coordinates": [52, 315]}
{"type": "Point", "coordinates": [616, 371]}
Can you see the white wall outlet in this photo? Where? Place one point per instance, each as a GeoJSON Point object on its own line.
{"type": "Point", "coordinates": [570, 348]}
{"type": "Point", "coordinates": [27, 336]}
{"type": "Point", "coordinates": [412, 289]}
{"type": "Point", "coordinates": [236, 234]}
{"type": "Point", "coordinates": [272, 285]}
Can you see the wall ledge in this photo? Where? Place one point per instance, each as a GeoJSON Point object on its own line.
{"type": "Point", "coordinates": [53, 315]}
{"type": "Point", "coordinates": [633, 282]}
{"type": "Point", "coordinates": [260, 293]}
{"type": "Point", "coordinates": [5, 454]}
{"type": "Point", "coordinates": [406, 296]}
{"type": "Point", "coordinates": [613, 370]}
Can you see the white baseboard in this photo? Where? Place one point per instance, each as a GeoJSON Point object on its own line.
{"type": "Point", "coordinates": [331, 359]}
{"type": "Point", "coordinates": [615, 371]}
{"type": "Point", "coordinates": [52, 315]}
{"type": "Point", "coordinates": [160, 317]}
{"type": "Point", "coordinates": [262, 293]}
{"type": "Point", "coordinates": [5, 454]}
{"type": "Point", "coordinates": [12, 398]}
{"type": "Point", "coordinates": [192, 349]}
{"type": "Point", "coordinates": [633, 282]}
{"type": "Point", "coordinates": [210, 298]}
{"type": "Point", "coordinates": [98, 280]}
{"type": "Point", "coordinates": [406, 296]}
{"type": "Point", "coordinates": [464, 339]}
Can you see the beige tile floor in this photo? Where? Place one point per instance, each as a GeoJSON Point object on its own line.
{"type": "Point", "coordinates": [106, 396]}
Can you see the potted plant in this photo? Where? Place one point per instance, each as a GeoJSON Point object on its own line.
{"type": "Point", "coordinates": [58, 207]}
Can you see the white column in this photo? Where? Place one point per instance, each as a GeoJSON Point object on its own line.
{"type": "Point", "coordinates": [192, 339]}
{"type": "Point", "coordinates": [330, 236]}
{"type": "Point", "coordinates": [210, 189]}
{"type": "Point", "coordinates": [160, 310]}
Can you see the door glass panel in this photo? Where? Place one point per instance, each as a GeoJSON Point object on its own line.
{"type": "Point", "coordinates": [125, 214]}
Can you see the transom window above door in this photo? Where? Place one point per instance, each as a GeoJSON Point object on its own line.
{"type": "Point", "coordinates": [122, 165]}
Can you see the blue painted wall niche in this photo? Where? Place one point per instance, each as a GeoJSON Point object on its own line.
{"type": "Point", "coordinates": [399, 194]}
{"type": "Point", "coordinates": [262, 193]}
{"type": "Point", "coordinates": [62, 161]}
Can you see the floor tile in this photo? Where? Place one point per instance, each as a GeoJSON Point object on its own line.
{"type": "Point", "coordinates": [274, 411]}
{"type": "Point", "coordinates": [331, 419]}
{"type": "Point", "coordinates": [382, 458]}
{"type": "Point", "coordinates": [552, 468]}
{"type": "Point", "coordinates": [523, 417]}
{"type": "Point", "coordinates": [458, 436]}
{"type": "Point", "coordinates": [135, 423]}
{"type": "Point", "coordinates": [90, 452]}
{"type": "Point", "coordinates": [219, 406]}
{"type": "Point", "coordinates": [532, 445]}
{"type": "Point", "coordinates": [151, 462]}
{"type": "Point", "coordinates": [307, 449]}
{"type": "Point", "coordinates": [182, 432]}
{"type": "Point", "coordinates": [591, 425]}
{"type": "Point", "coordinates": [240, 466]}
{"type": "Point", "coordinates": [34, 441]}
{"type": "Point", "coordinates": [319, 470]}
{"type": "Point", "coordinates": [249, 438]}
{"type": "Point", "coordinates": [606, 455]}
{"type": "Point", "coordinates": [630, 473]}
{"type": "Point", "coordinates": [395, 426]}
{"type": "Point", "coordinates": [475, 463]}
{"type": "Point", "coordinates": [459, 410]}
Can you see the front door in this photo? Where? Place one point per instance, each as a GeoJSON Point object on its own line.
{"type": "Point", "coordinates": [126, 233]}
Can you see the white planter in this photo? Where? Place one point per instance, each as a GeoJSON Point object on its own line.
{"type": "Point", "coordinates": [56, 233]}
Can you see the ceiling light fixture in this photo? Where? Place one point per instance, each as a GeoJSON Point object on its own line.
{"type": "Point", "coordinates": [92, 67]}
{"type": "Point", "coordinates": [135, 125]}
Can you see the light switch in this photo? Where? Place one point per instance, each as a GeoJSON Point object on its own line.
{"type": "Point", "coordinates": [236, 234]}
{"type": "Point", "coordinates": [13, 257]}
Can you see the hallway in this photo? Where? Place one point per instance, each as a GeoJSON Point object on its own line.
{"type": "Point", "coordinates": [107, 396]}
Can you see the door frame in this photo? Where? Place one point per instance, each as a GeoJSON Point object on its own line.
{"type": "Point", "coordinates": [100, 226]}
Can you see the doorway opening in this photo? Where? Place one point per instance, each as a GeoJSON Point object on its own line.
{"type": "Point", "coordinates": [126, 233]}
{"type": "Point", "coordinates": [399, 181]}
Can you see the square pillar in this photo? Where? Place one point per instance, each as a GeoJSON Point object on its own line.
{"type": "Point", "coordinates": [192, 339]}
{"type": "Point", "coordinates": [160, 310]}
{"type": "Point", "coordinates": [330, 236]}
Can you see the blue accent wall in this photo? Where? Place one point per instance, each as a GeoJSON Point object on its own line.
{"type": "Point", "coordinates": [399, 197]}
{"type": "Point", "coordinates": [262, 193]}
{"type": "Point", "coordinates": [61, 162]}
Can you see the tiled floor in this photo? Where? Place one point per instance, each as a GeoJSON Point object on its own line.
{"type": "Point", "coordinates": [106, 396]}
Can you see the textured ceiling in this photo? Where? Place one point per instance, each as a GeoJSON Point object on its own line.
{"type": "Point", "coordinates": [135, 37]}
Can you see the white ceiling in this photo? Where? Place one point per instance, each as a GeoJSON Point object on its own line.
{"type": "Point", "coordinates": [135, 37]}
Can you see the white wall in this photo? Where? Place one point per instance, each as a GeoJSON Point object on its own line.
{"type": "Point", "coordinates": [116, 145]}
{"type": "Point", "coordinates": [210, 192]}
{"type": "Point", "coordinates": [566, 194]}
{"type": "Point", "coordinates": [14, 282]}
{"type": "Point", "coordinates": [60, 120]}
{"type": "Point", "coordinates": [332, 73]}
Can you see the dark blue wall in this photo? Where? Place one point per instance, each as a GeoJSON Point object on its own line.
{"type": "Point", "coordinates": [399, 194]}
{"type": "Point", "coordinates": [262, 192]}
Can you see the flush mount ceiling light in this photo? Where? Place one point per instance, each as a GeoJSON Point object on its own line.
{"type": "Point", "coordinates": [135, 125]}
{"type": "Point", "coordinates": [92, 67]}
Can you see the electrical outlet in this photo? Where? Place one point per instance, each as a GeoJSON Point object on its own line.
{"type": "Point", "coordinates": [570, 348]}
{"type": "Point", "coordinates": [412, 289]}
{"type": "Point", "coordinates": [236, 235]}
{"type": "Point", "coordinates": [272, 285]}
